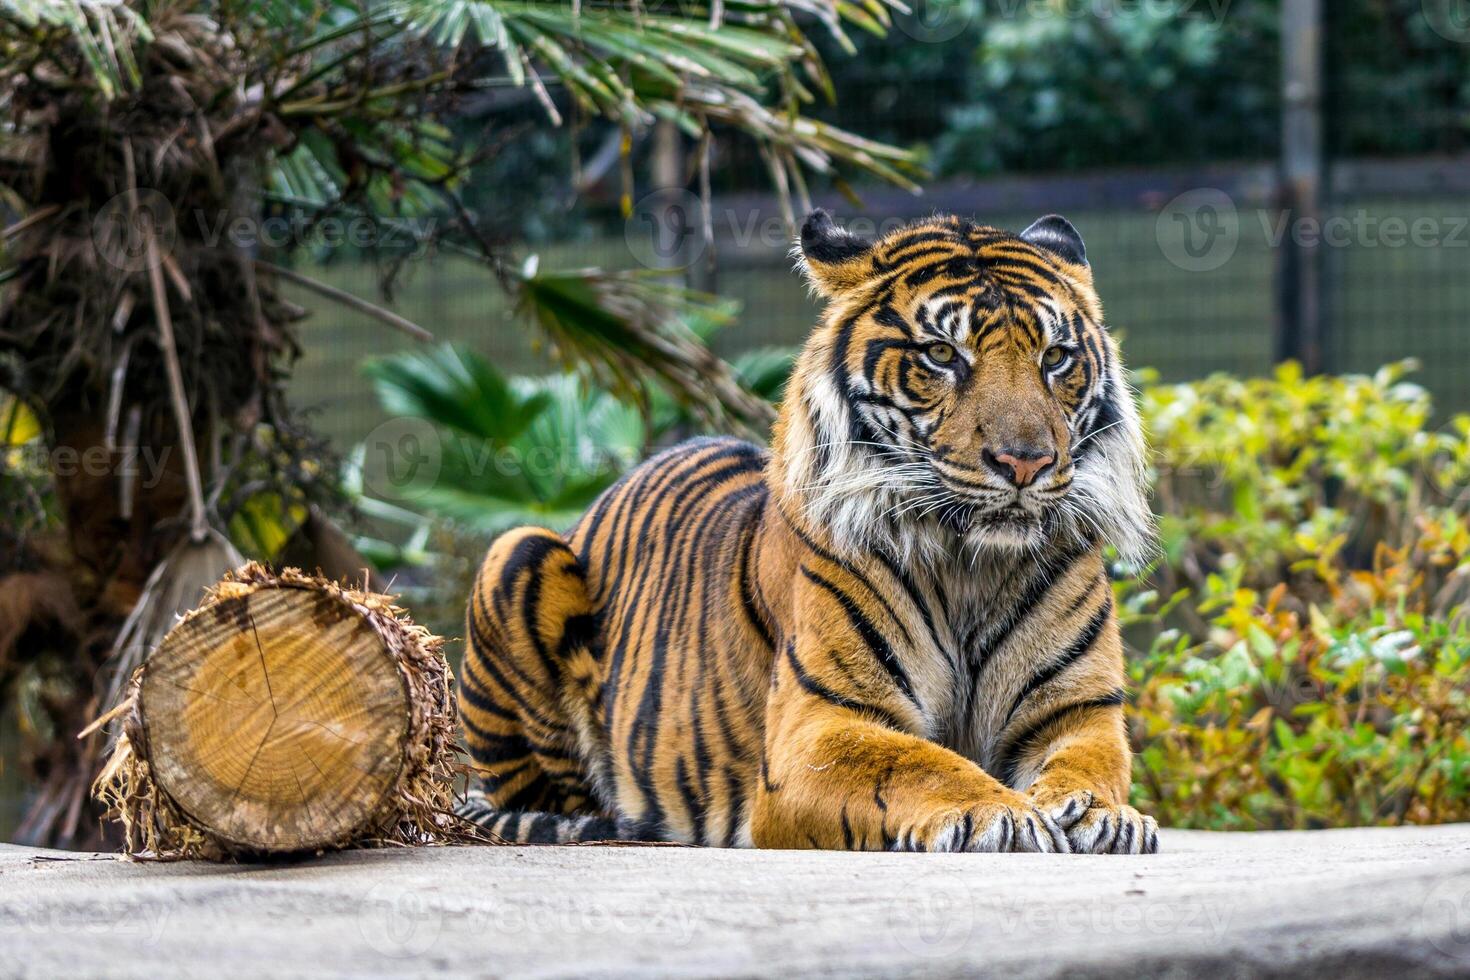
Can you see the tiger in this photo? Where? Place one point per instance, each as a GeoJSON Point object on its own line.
{"type": "Point", "coordinates": [893, 630]}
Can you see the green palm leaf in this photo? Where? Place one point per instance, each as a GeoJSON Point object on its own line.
{"type": "Point", "coordinates": [104, 32]}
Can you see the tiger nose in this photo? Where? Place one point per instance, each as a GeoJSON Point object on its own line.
{"type": "Point", "coordinates": [1018, 466]}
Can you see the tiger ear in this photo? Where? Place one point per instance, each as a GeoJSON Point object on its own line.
{"type": "Point", "coordinates": [833, 259]}
{"type": "Point", "coordinates": [1057, 235]}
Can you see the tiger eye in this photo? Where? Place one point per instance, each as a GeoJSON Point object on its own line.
{"type": "Point", "coordinates": [1053, 357]}
{"type": "Point", "coordinates": [941, 353]}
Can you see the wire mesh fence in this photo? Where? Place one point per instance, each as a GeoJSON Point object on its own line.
{"type": "Point", "coordinates": [1194, 255]}
{"type": "Point", "coordinates": [1189, 279]}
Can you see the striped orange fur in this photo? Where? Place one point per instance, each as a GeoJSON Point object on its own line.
{"type": "Point", "coordinates": [893, 630]}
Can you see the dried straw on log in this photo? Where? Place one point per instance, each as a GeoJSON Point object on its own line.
{"type": "Point", "coordinates": [285, 714]}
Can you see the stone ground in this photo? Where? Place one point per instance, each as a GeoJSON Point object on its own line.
{"type": "Point", "coordinates": [1339, 904]}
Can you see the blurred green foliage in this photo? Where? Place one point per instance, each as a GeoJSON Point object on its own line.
{"type": "Point", "coordinates": [988, 86]}
{"type": "Point", "coordinates": [1014, 85]}
{"type": "Point", "coordinates": [507, 451]}
{"type": "Point", "coordinates": [1305, 649]}
{"type": "Point", "coordinates": [516, 450]}
{"type": "Point", "coordinates": [1049, 90]}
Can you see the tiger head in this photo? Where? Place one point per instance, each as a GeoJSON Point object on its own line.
{"type": "Point", "coordinates": [960, 392]}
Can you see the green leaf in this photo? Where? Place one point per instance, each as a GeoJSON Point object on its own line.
{"type": "Point", "coordinates": [765, 370]}
{"type": "Point", "coordinates": [455, 390]}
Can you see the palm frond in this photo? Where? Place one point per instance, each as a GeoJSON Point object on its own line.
{"type": "Point", "coordinates": [627, 328]}
{"type": "Point", "coordinates": [631, 66]}
{"type": "Point", "coordinates": [104, 32]}
{"type": "Point", "coordinates": [555, 444]}
{"type": "Point", "coordinates": [456, 390]}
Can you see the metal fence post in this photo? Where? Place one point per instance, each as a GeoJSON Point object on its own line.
{"type": "Point", "coordinates": [1300, 331]}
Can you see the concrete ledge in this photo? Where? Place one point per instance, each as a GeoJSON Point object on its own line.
{"type": "Point", "coordinates": [1345, 903]}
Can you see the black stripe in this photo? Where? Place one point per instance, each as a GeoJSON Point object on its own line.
{"type": "Point", "coordinates": [472, 691]}
{"type": "Point", "coordinates": [514, 746]}
{"type": "Point", "coordinates": [646, 728]}
{"type": "Point", "coordinates": [1017, 748]}
{"type": "Point", "coordinates": [543, 829]}
{"type": "Point", "coordinates": [1011, 264]}
{"type": "Point", "coordinates": [680, 484]}
{"type": "Point", "coordinates": [903, 248]}
{"type": "Point", "coordinates": [735, 794]}
{"type": "Point", "coordinates": [1053, 569]}
{"type": "Point", "coordinates": [579, 632]}
{"type": "Point", "coordinates": [1107, 414]}
{"type": "Point", "coordinates": [928, 272]}
{"type": "Point", "coordinates": [492, 668]}
{"type": "Point", "coordinates": [873, 639]}
{"type": "Point", "coordinates": [812, 686]}
{"type": "Point", "coordinates": [605, 828]}
{"type": "Point", "coordinates": [492, 746]}
{"type": "Point", "coordinates": [530, 554]}
{"type": "Point", "coordinates": [1071, 655]}
{"type": "Point", "coordinates": [686, 793]}
{"type": "Point", "coordinates": [852, 570]}
{"type": "Point", "coordinates": [523, 797]}
{"type": "Point", "coordinates": [887, 316]}
{"type": "Point", "coordinates": [748, 586]}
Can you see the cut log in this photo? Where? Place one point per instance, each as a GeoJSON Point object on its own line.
{"type": "Point", "coordinates": [286, 714]}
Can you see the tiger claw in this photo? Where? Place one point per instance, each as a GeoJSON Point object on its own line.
{"type": "Point", "coordinates": [1070, 808]}
{"type": "Point", "coordinates": [1043, 834]}
{"type": "Point", "coordinates": [1114, 830]}
{"type": "Point", "coordinates": [992, 828]}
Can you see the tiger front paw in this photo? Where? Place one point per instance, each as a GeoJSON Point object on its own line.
{"type": "Point", "coordinates": [1093, 827]}
{"type": "Point", "coordinates": [1010, 823]}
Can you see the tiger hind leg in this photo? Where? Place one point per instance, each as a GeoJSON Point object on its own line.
{"type": "Point", "coordinates": [525, 694]}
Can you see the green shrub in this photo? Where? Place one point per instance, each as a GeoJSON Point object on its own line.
{"type": "Point", "coordinates": [1302, 654]}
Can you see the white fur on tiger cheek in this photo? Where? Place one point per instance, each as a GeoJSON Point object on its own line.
{"type": "Point", "coordinates": [1110, 484]}
{"type": "Point", "coordinates": [844, 494]}
{"type": "Point", "coordinates": [863, 498]}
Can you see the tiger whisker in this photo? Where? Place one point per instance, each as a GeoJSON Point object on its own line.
{"type": "Point", "coordinates": [1094, 434]}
